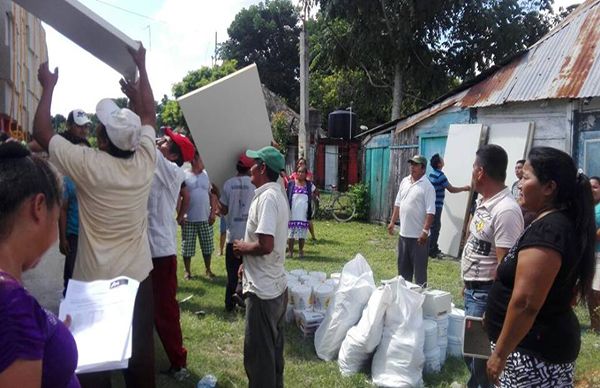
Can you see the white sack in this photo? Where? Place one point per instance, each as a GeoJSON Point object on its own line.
{"type": "Point", "coordinates": [351, 296]}
{"type": "Point", "coordinates": [362, 339]}
{"type": "Point", "coordinates": [399, 358]}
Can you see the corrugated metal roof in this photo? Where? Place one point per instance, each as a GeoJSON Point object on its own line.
{"type": "Point", "coordinates": [563, 64]}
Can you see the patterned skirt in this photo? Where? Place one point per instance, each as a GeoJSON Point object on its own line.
{"type": "Point", "coordinates": [524, 370]}
{"type": "Point", "coordinates": [297, 230]}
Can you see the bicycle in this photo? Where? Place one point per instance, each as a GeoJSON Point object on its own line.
{"type": "Point", "coordinates": [340, 206]}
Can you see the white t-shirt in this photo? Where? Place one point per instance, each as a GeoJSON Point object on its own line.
{"type": "Point", "coordinates": [269, 214]}
{"type": "Point", "coordinates": [164, 193]}
{"type": "Point", "coordinates": [199, 188]}
{"type": "Point", "coordinates": [415, 200]}
{"type": "Point", "coordinates": [112, 194]}
{"type": "Point", "coordinates": [497, 222]}
{"type": "Point", "coordinates": [237, 195]}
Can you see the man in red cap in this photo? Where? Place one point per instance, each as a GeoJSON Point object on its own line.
{"type": "Point", "coordinates": [167, 187]}
{"type": "Point", "coordinates": [236, 196]}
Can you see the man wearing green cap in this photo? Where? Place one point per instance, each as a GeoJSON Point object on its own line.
{"type": "Point", "coordinates": [264, 280]}
{"type": "Point", "coordinates": [415, 206]}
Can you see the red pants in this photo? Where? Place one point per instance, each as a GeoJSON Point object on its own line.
{"type": "Point", "coordinates": [166, 309]}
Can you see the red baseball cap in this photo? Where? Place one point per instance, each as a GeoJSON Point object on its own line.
{"type": "Point", "coordinates": [245, 161]}
{"type": "Point", "coordinates": [185, 145]}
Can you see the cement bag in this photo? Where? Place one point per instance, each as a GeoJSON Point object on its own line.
{"type": "Point", "coordinates": [345, 308]}
{"type": "Point", "coordinates": [399, 359]}
{"type": "Point", "coordinates": [362, 339]}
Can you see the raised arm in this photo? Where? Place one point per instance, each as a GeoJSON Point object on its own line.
{"type": "Point", "coordinates": [42, 124]}
{"type": "Point", "coordinates": [140, 92]}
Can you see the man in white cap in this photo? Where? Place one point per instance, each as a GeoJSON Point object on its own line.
{"type": "Point", "coordinates": [113, 185]}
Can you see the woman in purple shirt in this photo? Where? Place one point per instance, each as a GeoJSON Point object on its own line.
{"type": "Point", "coordinates": [36, 349]}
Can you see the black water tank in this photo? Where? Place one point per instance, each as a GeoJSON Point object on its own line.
{"type": "Point", "coordinates": [341, 123]}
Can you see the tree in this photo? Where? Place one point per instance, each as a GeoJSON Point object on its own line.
{"type": "Point", "coordinates": [59, 122]}
{"type": "Point", "coordinates": [267, 34]}
{"type": "Point", "coordinates": [417, 50]}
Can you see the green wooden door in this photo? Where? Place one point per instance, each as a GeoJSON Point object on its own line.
{"type": "Point", "coordinates": [377, 173]}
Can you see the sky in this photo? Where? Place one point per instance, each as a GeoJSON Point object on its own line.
{"type": "Point", "coordinates": [179, 36]}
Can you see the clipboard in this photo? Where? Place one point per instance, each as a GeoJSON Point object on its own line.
{"type": "Point", "coordinates": [476, 342]}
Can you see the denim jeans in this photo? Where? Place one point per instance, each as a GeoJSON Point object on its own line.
{"type": "Point", "coordinates": [475, 304]}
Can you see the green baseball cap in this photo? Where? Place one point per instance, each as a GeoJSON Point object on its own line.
{"type": "Point", "coordinates": [418, 159]}
{"type": "Point", "coordinates": [270, 156]}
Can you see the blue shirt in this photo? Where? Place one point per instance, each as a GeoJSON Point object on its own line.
{"type": "Point", "coordinates": [440, 182]}
{"type": "Point", "coordinates": [597, 211]}
{"type": "Point", "coordinates": [72, 209]}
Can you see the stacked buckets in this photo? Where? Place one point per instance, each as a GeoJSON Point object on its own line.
{"type": "Point", "coordinates": [309, 291]}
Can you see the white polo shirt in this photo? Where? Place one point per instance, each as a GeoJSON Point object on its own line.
{"type": "Point", "coordinates": [268, 214]}
{"type": "Point", "coordinates": [497, 222]}
{"type": "Point", "coordinates": [415, 200]}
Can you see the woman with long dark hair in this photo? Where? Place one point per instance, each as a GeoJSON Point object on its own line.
{"type": "Point", "coordinates": [529, 318]}
{"type": "Point", "coordinates": [36, 349]}
{"type": "Point", "coordinates": [594, 295]}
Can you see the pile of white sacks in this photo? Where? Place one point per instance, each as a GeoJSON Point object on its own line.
{"type": "Point", "coordinates": [385, 326]}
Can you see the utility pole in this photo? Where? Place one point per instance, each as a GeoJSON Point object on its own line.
{"type": "Point", "coordinates": [303, 138]}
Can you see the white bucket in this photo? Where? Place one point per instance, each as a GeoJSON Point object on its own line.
{"type": "Point", "coordinates": [442, 322]}
{"type": "Point", "coordinates": [320, 276]}
{"type": "Point", "coordinates": [305, 279]}
{"type": "Point", "coordinates": [291, 278]}
{"type": "Point", "coordinates": [332, 282]}
{"type": "Point", "coordinates": [335, 275]}
{"type": "Point", "coordinates": [290, 286]}
{"type": "Point", "coordinates": [302, 297]}
{"type": "Point", "coordinates": [431, 335]}
{"type": "Point", "coordinates": [443, 351]}
{"type": "Point", "coordinates": [432, 361]}
{"type": "Point", "coordinates": [455, 347]}
{"type": "Point", "coordinates": [298, 272]}
{"type": "Point", "coordinates": [322, 297]}
{"type": "Point", "coordinates": [456, 322]}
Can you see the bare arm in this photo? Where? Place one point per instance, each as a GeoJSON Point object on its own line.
{"type": "Point", "coordinates": [224, 208]}
{"type": "Point", "coordinates": [536, 270]}
{"type": "Point", "coordinates": [22, 374]}
{"type": "Point", "coordinates": [500, 253]}
{"type": "Point", "coordinates": [392, 224]}
{"type": "Point", "coordinates": [426, 226]}
{"type": "Point", "coordinates": [263, 246]}
{"type": "Point", "coordinates": [62, 228]}
{"type": "Point", "coordinates": [453, 189]}
{"type": "Point", "coordinates": [140, 92]}
{"type": "Point", "coordinates": [42, 124]}
{"type": "Point", "coordinates": [184, 204]}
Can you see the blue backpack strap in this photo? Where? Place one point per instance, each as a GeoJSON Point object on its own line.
{"type": "Point", "coordinates": [290, 192]}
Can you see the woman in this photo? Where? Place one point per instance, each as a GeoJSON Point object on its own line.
{"type": "Point", "coordinates": [534, 332]}
{"type": "Point", "coordinates": [594, 296]}
{"type": "Point", "coordinates": [309, 177]}
{"type": "Point", "coordinates": [299, 191]}
{"type": "Point", "coordinates": [36, 349]}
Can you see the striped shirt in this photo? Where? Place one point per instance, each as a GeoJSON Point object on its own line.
{"type": "Point", "coordinates": [440, 182]}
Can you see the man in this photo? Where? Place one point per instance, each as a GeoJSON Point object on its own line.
{"type": "Point", "coordinates": [113, 184]}
{"type": "Point", "coordinates": [519, 174]}
{"type": "Point", "coordinates": [235, 200]}
{"type": "Point", "coordinates": [495, 227]}
{"type": "Point", "coordinates": [200, 218]}
{"type": "Point", "coordinates": [68, 221]}
{"type": "Point", "coordinates": [415, 205]}
{"type": "Point", "coordinates": [440, 184]}
{"type": "Point", "coordinates": [264, 281]}
{"type": "Point", "coordinates": [167, 187]}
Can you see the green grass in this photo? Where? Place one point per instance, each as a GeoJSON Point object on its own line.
{"type": "Point", "coordinates": [215, 340]}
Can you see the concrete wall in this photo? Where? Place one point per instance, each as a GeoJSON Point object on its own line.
{"type": "Point", "coordinates": [22, 49]}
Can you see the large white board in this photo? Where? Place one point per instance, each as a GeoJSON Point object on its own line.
{"type": "Point", "coordinates": [516, 140]}
{"type": "Point", "coordinates": [87, 30]}
{"type": "Point", "coordinates": [225, 118]}
{"type": "Point", "coordinates": [463, 141]}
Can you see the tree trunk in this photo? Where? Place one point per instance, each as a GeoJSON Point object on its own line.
{"type": "Point", "coordinates": [397, 92]}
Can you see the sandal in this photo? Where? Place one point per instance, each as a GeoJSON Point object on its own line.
{"type": "Point", "coordinates": [187, 276]}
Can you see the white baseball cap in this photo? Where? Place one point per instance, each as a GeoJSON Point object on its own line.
{"type": "Point", "coordinates": [123, 127]}
{"type": "Point", "coordinates": [80, 117]}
